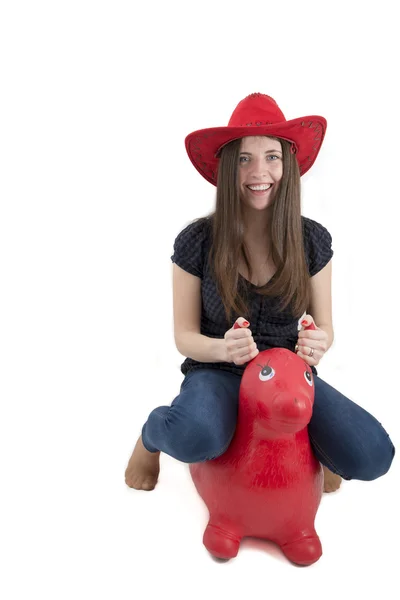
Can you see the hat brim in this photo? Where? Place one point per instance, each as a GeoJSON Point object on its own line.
{"type": "Point", "coordinates": [307, 133]}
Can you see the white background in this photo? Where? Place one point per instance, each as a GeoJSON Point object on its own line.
{"type": "Point", "coordinates": [96, 100]}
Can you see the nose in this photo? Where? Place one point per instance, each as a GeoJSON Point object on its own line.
{"type": "Point", "coordinates": [259, 168]}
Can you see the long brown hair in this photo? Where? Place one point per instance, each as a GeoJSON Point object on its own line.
{"type": "Point", "coordinates": [290, 284]}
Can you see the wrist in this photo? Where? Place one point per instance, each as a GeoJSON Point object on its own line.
{"type": "Point", "coordinates": [221, 351]}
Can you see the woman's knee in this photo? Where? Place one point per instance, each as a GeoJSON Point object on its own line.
{"type": "Point", "coordinates": [346, 438]}
{"type": "Point", "coordinates": [203, 421]}
{"type": "Point", "coordinates": [200, 440]}
{"type": "Point", "coordinates": [368, 461]}
{"type": "Point", "coordinates": [375, 461]}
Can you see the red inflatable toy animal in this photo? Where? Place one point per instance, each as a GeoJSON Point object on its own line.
{"type": "Point", "coordinates": [268, 484]}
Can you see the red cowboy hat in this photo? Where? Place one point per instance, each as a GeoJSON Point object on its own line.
{"type": "Point", "coordinates": [257, 114]}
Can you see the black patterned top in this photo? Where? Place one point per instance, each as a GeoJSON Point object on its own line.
{"type": "Point", "coordinates": [270, 328]}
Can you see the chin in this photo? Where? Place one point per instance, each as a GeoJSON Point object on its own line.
{"type": "Point", "coordinates": [255, 206]}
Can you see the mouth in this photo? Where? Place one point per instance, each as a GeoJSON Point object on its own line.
{"type": "Point", "coordinates": [259, 190]}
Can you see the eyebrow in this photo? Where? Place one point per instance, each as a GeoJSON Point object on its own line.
{"type": "Point", "coordinates": [266, 152]}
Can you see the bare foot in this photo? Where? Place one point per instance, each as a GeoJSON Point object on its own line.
{"type": "Point", "coordinates": [331, 480]}
{"type": "Point", "coordinates": [143, 468]}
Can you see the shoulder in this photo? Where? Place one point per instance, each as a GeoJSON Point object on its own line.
{"type": "Point", "coordinates": [196, 230]}
{"type": "Point", "coordinates": [190, 246]}
{"type": "Point", "coordinates": [317, 245]}
{"type": "Point", "coordinates": [314, 231]}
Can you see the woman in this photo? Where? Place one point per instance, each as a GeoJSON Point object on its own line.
{"type": "Point", "coordinates": [255, 261]}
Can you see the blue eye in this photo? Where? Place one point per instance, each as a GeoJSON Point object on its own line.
{"type": "Point", "coordinates": [270, 156]}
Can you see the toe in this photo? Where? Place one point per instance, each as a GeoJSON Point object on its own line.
{"type": "Point", "coordinates": [149, 483]}
{"type": "Point", "coordinates": [131, 481]}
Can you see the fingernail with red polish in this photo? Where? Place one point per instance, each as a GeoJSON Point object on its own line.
{"type": "Point", "coordinates": [304, 322]}
{"type": "Point", "coordinates": [245, 323]}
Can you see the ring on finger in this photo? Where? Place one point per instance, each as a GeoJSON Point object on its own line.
{"type": "Point", "coordinates": [310, 354]}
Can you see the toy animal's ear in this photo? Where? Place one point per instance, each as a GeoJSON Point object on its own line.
{"type": "Point", "coordinates": [308, 322]}
{"type": "Point", "coordinates": [299, 326]}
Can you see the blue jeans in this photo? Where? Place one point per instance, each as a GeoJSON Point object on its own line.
{"type": "Point", "coordinates": [200, 424]}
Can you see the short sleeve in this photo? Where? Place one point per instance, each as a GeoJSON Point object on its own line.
{"type": "Point", "coordinates": [189, 248]}
{"type": "Point", "coordinates": [317, 244]}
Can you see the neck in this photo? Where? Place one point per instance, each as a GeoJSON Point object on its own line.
{"type": "Point", "coordinates": [263, 433]}
{"type": "Point", "coordinates": [250, 428]}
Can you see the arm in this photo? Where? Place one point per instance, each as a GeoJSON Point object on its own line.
{"type": "Point", "coordinates": [201, 348]}
{"type": "Point", "coordinates": [321, 301]}
{"type": "Point", "coordinates": [187, 315]}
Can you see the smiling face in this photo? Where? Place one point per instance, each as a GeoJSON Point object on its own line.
{"type": "Point", "coordinates": [260, 171]}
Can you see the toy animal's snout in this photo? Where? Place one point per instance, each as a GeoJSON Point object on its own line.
{"type": "Point", "coordinates": [289, 412]}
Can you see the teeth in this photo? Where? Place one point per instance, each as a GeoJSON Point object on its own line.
{"type": "Point", "coordinates": [257, 188]}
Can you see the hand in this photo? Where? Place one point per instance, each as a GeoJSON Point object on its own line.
{"type": "Point", "coordinates": [239, 344]}
{"type": "Point", "coordinates": [315, 339]}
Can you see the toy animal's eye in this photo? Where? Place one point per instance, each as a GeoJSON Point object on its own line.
{"type": "Point", "coordinates": [266, 373]}
{"type": "Point", "coordinates": [308, 377]}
